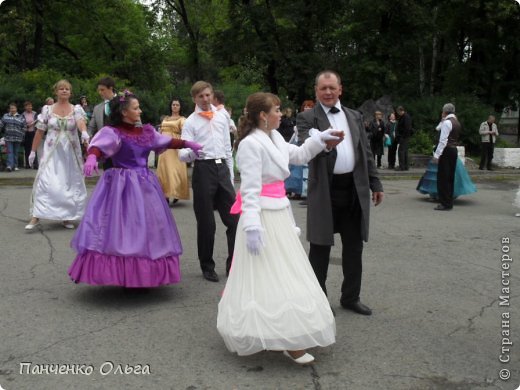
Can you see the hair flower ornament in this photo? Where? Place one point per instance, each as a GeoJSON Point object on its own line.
{"type": "Point", "coordinates": [124, 95]}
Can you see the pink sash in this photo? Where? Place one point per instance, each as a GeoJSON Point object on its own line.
{"type": "Point", "coordinates": [271, 190]}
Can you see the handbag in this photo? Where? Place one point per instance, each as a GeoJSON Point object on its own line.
{"type": "Point", "coordinates": [388, 141]}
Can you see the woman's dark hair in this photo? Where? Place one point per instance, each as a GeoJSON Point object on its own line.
{"type": "Point", "coordinates": [255, 104]}
{"type": "Point", "coordinates": [173, 99]}
{"type": "Point", "coordinates": [117, 105]}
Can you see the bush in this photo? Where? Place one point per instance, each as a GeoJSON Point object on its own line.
{"type": "Point", "coordinates": [422, 142]}
{"type": "Point", "coordinates": [502, 143]}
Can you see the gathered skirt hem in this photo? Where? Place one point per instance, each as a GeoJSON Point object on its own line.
{"type": "Point", "coordinates": [96, 268]}
{"type": "Point", "coordinates": [248, 345]}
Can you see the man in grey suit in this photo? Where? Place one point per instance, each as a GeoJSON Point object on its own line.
{"type": "Point", "coordinates": [339, 185]}
{"type": "Point", "coordinates": [106, 89]}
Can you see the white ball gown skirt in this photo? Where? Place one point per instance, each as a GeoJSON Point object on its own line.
{"type": "Point", "coordinates": [273, 301]}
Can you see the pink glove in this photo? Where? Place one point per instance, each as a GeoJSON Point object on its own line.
{"type": "Point", "coordinates": [193, 146]}
{"type": "Point", "coordinates": [90, 165]}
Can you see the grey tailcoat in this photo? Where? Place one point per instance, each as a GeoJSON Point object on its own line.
{"type": "Point", "coordinates": [96, 122]}
{"type": "Point", "coordinates": [320, 228]}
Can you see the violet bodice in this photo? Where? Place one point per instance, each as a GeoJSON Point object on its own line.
{"type": "Point", "coordinates": [129, 149]}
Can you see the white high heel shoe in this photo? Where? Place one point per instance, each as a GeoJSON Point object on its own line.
{"type": "Point", "coordinates": [32, 226]}
{"type": "Point", "coordinates": [306, 358]}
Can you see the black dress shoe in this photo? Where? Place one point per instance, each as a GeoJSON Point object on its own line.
{"type": "Point", "coordinates": [357, 307]}
{"type": "Point", "coordinates": [210, 275]}
{"type": "Point", "coordinates": [441, 207]}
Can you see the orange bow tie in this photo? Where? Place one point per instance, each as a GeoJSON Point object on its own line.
{"type": "Point", "coordinates": [207, 114]}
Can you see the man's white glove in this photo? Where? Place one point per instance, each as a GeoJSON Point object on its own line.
{"type": "Point", "coordinates": [85, 137]}
{"type": "Point", "coordinates": [31, 158]}
{"type": "Point", "coordinates": [326, 135]}
{"type": "Point", "coordinates": [254, 241]}
{"type": "Point", "coordinates": [229, 163]}
{"type": "Point", "coordinates": [188, 156]}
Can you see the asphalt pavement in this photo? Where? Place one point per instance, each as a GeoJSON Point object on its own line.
{"type": "Point", "coordinates": [444, 288]}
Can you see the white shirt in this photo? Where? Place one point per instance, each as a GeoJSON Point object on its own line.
{"type": "Point", "coordinates": [212, 134]}
{"type": "Point", "coordinates": [445, 132]}
{"type": "Point", "coordinates": [345, 160]}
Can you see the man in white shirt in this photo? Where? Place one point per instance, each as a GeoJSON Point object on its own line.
{"type": "Point", "coordinates": [212, 177]}
{"type": "Point", "coordinates": [339, 186]}
{"type": "Point", "coordinates": [488, 135]}
{"type": "Point", "coordinates": [446, 156]}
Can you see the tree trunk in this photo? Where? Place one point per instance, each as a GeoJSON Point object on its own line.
{"type": "Point", "coordinates": [434, 52]}
{"type": "Point", "coordinates": [193, 46]}
{"type": "Point", "coordinates": [271, 77]}
{"type": "Point", "coordinates": [38, 33]}
{"type": "Point", "coordinates": [421, 71]}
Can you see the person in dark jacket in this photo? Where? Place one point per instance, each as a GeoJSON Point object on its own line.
{"type": "Point", "coordinates": [287, 124]}
{"type": "Point", "coordinates": [404, 132]}
{"type": "Point", "coordinates": [377, 129]}
{"type": "Point", "coordinates": [342, 182]}
{"type": "Point", "coordinates": [390, 131]}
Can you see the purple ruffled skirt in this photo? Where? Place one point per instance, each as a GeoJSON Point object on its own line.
{"type": "Point", "coordinates": [127, 236]}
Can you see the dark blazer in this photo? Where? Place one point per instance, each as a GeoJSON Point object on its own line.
{"type": "Point", "coordinates": [404, 126]}
{"type": "Point", "coordinates": [320, 229]}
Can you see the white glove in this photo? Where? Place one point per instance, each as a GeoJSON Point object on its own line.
{"type": "Point", "coordinates": [229, 163]}
{"type": "Point", "coordinates": [31, 158]}
{"type": "Point", "coordinates": [254, 241]}
{"type": "Point", "coordinates": [85, 137]}
{"type": "Point", "coordinates": [326, 135]}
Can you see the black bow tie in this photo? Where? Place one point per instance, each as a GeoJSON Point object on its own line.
{"type": "Point", "coordinates": [334, 110]}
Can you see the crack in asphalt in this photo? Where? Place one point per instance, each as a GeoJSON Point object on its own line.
{"type": "Point", "coordinates": [471, 320]}
{"type": "Point", "coordinates": [51, 247]}
{"type": "Point", "coordinates": [315, 377]}
{"type": "Point", "coordinates": [5, 205]}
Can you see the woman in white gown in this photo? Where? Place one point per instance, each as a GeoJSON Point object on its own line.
{"type": "Point", "coordinates": [59, 191]}
{"type": "Point", "coordinates": [272, 299]}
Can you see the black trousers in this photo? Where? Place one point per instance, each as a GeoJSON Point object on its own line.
{"type": "Point", "coordinates": [446, 175]}
{"type": "Point", "coordinates": [403, 153]}
{"type": "Point", "coordinates": [486, 155]}
{"type": "Point", "coordinates": [27, 144]}
{"type": "Point", "coordinates": [392, 151]}
{"type": "Point", "coordinates": [346, 212]}
{"type": "Point", "coordinates": [212, 190]}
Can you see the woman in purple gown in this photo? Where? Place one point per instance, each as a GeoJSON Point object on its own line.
{"type": "Point", "coordinates": [128, 236]}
